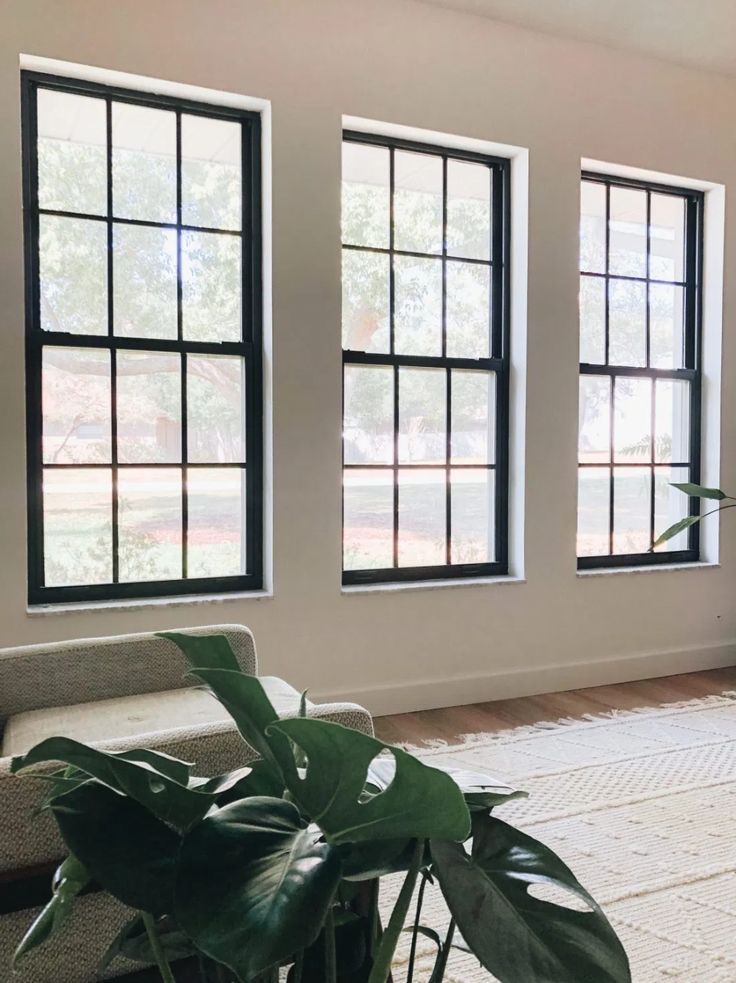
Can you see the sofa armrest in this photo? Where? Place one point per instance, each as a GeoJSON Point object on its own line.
{"type": "Point", "coordinates": [350, 715]}
{"type": "Point", "coordinates": [34, 677]}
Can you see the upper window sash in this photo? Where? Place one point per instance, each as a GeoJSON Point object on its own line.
{"type": "Point", "coordinates": [142, 230]}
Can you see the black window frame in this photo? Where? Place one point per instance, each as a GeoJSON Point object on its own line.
{"type": "Point", "coordinates": [499, 362]}
{"type": "Point", "coordinates": [250, 347]}
{"type": "Point", "coordinates": [691, 371]}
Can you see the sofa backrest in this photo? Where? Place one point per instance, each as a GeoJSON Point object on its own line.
{"type": "Point", "coordinates": [88, 669]}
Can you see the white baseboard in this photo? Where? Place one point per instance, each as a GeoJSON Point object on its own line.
{"type": "Point", "coordinates": [429, 694]}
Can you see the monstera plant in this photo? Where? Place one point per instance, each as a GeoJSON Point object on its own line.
{"type": "Point", "coordinates": [272, 872]}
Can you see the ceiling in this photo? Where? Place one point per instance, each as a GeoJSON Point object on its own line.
{"type": "Point", "coordinates": [699, 33]}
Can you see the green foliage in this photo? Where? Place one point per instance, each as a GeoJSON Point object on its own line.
{"type": "Point", "coordinates": [158, 782]}
{"type": "Point", "coordinates": [418, 802]}
{"type": "Point", "coordinates": [133, 942]}
{"type": "Point", "coordinates": [70, 878]}
{"type": "Point", "coordinates": [258, 848]}
{"type": "Point", "coordinates": [275, 865]}
{"type": "Point", "coordinates": [533, 939]}
{"type": "Point", "coordinates": [125, 848]}
{"type": "Point", "coordinates": [694, 491]}
{"type": "Point", "coordinates": [698, 491]}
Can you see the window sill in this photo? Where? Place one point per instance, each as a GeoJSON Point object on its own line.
{"type": "Point", "coordinates": [390, 588]}
{"type": "Point", "coordinates": [653, 568]}
{"type": "Point", "coordinates": [75, 607]}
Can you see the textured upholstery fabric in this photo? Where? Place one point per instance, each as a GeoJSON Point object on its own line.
{"type": "Point", "coordinates": [131, 716]}
{"type": "Point", "coordinates": [87, 669]}
{"type": "Point", "coordinates": [83, 671]}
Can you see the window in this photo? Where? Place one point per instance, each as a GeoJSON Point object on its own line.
{"type": "Point", "coordinates": [142, 222]}
{"type": "Point", "coordinates": [640, 387]}
{"type": "Point", "coordinates": [425, 361]}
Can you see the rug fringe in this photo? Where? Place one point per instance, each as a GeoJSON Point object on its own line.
{"type": "Point", "coordinates": [585, 719]}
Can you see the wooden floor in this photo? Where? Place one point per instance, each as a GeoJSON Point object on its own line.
{"type": "Point", "coordinates": [451, 723]}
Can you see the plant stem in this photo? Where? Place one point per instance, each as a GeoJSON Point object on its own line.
{"type": "Point", "coordinates": [330, 956]}
{"type": "Point", "coordinates": [415, 933]}
{"type": "Point", "coordinates": [438, 973]}
{"type": "Point", "coordinates": [158, 953]}
{"type": "Point", "coordinates": [382, 965]}
{"type": "Point", "coordinates": [298, 966]}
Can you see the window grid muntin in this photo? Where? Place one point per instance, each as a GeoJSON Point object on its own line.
{"type": "Point", "coordinates": [689, 372]}
{"type": "Point", "coordinates": [496, 363]}
{"type": "Point", "coordinates": [249, 348]}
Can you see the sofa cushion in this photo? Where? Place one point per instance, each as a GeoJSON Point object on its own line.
{"type": "Point", "coordinates": [129, 716]}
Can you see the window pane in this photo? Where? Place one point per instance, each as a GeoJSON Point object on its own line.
{"type": "Point", "coordinates": [422, 416]}
{"type": "Point", "coordinates": [594, 430]}
{"type": "Point", "coordinates": [632, 422]}
{"type": "Point", "coordinates": [72, 153]}
{"type": "Point", "coordinates": [472, 516]}
{"type": "Point", "coordinates": [670, 505]}
{"type": "Point", "coordinates": [73, 275]}
{"type": "Point", "coordinates": [422, 502]}
{"type": "Point", "coordinates": [473, 397]}
{"type": "Point", "coordinates": [418, 306]}
{"type": "Point", "coordinates": [627, 323]}
{"type": "Point", "coordinates": [365, 301]}
{"type": "Point", "coordinates": [672, 421]}
{"type": "Point", "coordinates": [149, 524]}
{"type": "Point", "coordinates": [417, 202]}
{"type": "Point", "coordinates": [667, 325]}
{"type": "Point", "coordinates": [211, 286]}
{"type": "Point", "coordinates": [77, 526]}
{"type": "Point", "coordinates": [593, 511]}
{"type": "Point", "coordinates": [368, 531]}
{"type": "Point", "coordinates": [368, 428]}
{"type": "Point", "coordinates": [468, 210]}
{"type": "Point", "coordinates": [143, 163]}
{"type": "Point", "coordinates": [667, 259]}
{"type": "Point", "coordinates": [631, 510]}
{"type": "Point", "coordinates": [216, 409]}
{"type": "Point", "coordinates": [628, 232]}
{"type": "Point", "coordinates": [592, 227]}
{"type": "Point", "coordinates": [365, 195]}
{"type": "Point", "coordinates": [468, 310]}
{"type": "Point", "coordinates": [211, 187]}
{"type": "Point", "coordinates": [76, 406]}
{"type": "Point", "coordinates": [216, 533]}
{"type": "Point", "coordinates": [149, 407]}
{"type": "Point", "coordinates": [592, 320]}
{"type": "Point", "coordinates": [144, 282]}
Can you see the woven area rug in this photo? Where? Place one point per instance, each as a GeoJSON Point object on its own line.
{"type": "Point", "coordinates": [642, 806]}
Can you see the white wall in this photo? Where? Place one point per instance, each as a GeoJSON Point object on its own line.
{"type": "Point", "coordinates": [408, 63]}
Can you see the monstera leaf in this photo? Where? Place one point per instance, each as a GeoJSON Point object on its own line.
{"type": "Point", "coordinates": [245, 700]}
{"type": "Point", "coordinates": [70, 878]}
{"type": "Point", "coordinates": [254, 884]}
{"type": "Point", "coordinates": [482, 792]}
{"type": "Point", "coordinates": [516, 936]}
{"type": "Point", "coordinates": [157, 781]}
{"type": "Point", "coordinates": [420, 802]}
{"type": "Point", "coordinates": [133, 942]}
{"type": "Point", "coordinates": [128, 851]}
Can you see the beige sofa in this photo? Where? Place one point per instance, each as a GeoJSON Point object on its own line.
{"type": "Point", "coordinates": [118, 693]}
